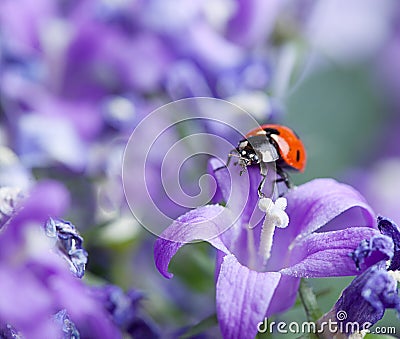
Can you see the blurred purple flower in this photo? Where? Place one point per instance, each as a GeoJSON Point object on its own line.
{"type": "Point", "coordinates": [253, 21]}
{"type": "Point", "coordinates": [35, 284]}
{"type": "Point", "coordinates": [371, 293]}
{"type": "Point", "coordinates": [124, 310]}
{"type": "Point", "coordinates": [316, 244]}
{"type": "Point", "coordinates": [345, 40]}
{"type": "Point", "coordinates": [8, 332]}
{"type": "Point", "coordinates": [12, 172]}
{"type": "Point", "coordinates": [66, 67]}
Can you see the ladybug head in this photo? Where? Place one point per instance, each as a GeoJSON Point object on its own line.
{"type": "Point", "coordinates": [247, 154]}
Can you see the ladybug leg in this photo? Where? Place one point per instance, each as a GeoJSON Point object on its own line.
{"type": "Point", "coordinates": [263, 173]}
{"type": "Point", "coordinates": [284, 177]}
{"type": "Point", "coordinates": [261, 186]}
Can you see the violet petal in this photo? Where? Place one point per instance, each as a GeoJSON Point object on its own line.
{"type": "Point", "coordinates": [243, 297]}
{"type": "Point", "coordinates": [327, 254]}
{"type": "Point", "coordinates": [314, 206]}
{"type": "Point", "coordinates": [203, 223]}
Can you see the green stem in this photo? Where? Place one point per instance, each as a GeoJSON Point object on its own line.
{"type": "Point", "coordinates": [310, 305]}
{"type": "Point", "coordinates": [309, 301]}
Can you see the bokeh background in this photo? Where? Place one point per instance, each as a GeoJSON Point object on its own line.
{"type": "Point", "coordinates": [77, 77]}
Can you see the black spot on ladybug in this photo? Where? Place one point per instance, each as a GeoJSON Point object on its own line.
{"type": "Point", "coordinates": [298, 155]}
{"type": "Point", "coordinates": [270, 131]}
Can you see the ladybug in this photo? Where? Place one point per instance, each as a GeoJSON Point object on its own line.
{"type": "Point", "coordinates": [271, 143]}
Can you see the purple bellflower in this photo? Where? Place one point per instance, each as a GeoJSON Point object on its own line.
{"type": "Point", "coordinates": [365, 300]}
{"type": "Point", "coordinates": [258, 268]}
{"type": "Point", "coordinates": [35, 284]}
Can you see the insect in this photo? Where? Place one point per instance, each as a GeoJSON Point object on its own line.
{"type": "Point", "coordinates": [271, 143]}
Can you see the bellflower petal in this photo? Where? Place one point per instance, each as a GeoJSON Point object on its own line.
{"type": "Point", "coordinates": [314, 207]}
{"type": "Point", "coordinates": [243, 297]}
{"type": "Point", "coordinates": [285, 294]}
{"type": "Point", "coordinates": [327, 254]}
{"type": "Point", "coordinates": [324, 199]}
{"type": "Point", "coordinates": [200, 224]}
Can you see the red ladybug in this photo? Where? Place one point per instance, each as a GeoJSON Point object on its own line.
{"type": "Point", "coordinates": [269, 143]}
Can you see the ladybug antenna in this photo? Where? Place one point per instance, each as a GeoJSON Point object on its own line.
{"type": "Point", "coordinates": [230, 155]}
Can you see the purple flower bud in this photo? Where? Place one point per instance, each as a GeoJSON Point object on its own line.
{"type": "Point", "coordinates": [368, 295]}
{"type": "Point", "coordinates": [379, 247]}
{"type": "Point", "coordinates": [69, 244]}
{"type": "Point", "coordinates": [390, 229]}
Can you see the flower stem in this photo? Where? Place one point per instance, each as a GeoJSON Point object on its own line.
{"type": "Point", "coordinates": [309, 301]}
{"type": "Point", "coordinates": [310, 304]}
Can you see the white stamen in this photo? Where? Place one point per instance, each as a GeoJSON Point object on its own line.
{"type": "Point", "coordinates": [275, 216]}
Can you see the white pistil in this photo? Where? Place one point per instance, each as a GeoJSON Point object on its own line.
{"type": "Point", "coordinates": [275, 216]}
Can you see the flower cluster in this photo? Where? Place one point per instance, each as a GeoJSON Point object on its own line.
{"type": "Point", "coordinates": [82, 70]}
{"type": "Point", "coordinates": [42, 295]}
{"type": "Point", "coordinates": [37, 284]}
